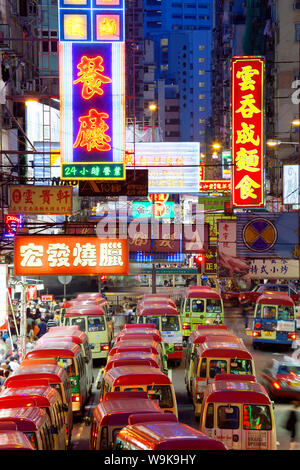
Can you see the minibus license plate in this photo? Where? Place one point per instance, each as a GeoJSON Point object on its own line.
{"type": "Point", "coordinates": [269, 334]}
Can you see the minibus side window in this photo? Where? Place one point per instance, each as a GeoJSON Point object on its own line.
{"type": "Point", "coordinates": [187, 305]}
{"type": "Point", "coordinates": [209, 419]}
{"type": "Point", "coordinates": [32, 438]}
{"type": "Point", "coordinates": [104, 438]}
{"type": "Point", "coordinates": [203, 365]}
{"type": "Point", "coordinates": [228, 417]}
{"type": "Point", "coordinates": [240, 366]}
{"type": "Point", "coordinates": [79, 322]}
{"type": "Point", "coordinates": [258, 312]}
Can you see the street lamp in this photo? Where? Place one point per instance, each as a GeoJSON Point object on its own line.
{"type": "Point", "coordinates": [216, 146]}
{"type": "Point", "coordinates": [275, 143]}
{"type": "Point", "coordinates": [152, 107]}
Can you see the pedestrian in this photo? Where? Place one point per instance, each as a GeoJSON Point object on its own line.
{"type": "Point", "coordinates": [14, 364]}
{"type": "Point", "coordinates": [42, 326]}
{"type": "Point", "coordinates": [291, 424]}
{"type": "Point", "coordinates": [51, 322]}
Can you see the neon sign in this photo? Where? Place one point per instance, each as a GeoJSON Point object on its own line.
{"type": "Point", "coordinates": [12, 224]}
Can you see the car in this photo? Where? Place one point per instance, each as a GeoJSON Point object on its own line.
{"type": "Point", "coordinates": [281, 379]}
{"type": "Point", "coordinates": [258, 290]}
{"type": "Point", "coordinates": [231, 297]}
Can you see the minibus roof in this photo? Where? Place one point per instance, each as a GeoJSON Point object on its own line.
{"type": "Point", "coordinates": [76, 335]}
{"type": "Point", "coordinates": [62, 338]}
{"type": "Point", "coordinates": [237, 391]}
{"type": "Point", "coordinates": [199, 288]}
{"type": "Point", "coordinates": [129, 346]}
{"type": "Point", "coordinates": [203, 294]}
{"type": "Point", "coordinates": [89, 295]}
{"type": "Point", "coordinates": [76, 303]}
{"type": "Point", "coordinates": [165, 296]}
{"type": "Point", "coordinates": [136, 326]}
{"type": "Point", "coordinates": [84, 311]}
{"type": "Point", "coordinates": [137, 375]}
{"type": "Point", "coordinates": [14, 440]}
{"type": "Point", "coordinates": [139, 331]}
{"type": "Point", "coordinates": [234, 348]}
{"type": "Point", "coordinates": [66, 328]}
{"type": "Point", "coordinates": [115, 410]}
{"type": "Point", "coordinates": [216, 336]}
{"type": "Point", "coordinates": [52, 373]}
{"type": "Point", "coordinates": [212, 327]}
{"type": "Point", "coordinates": [28, 396]}
{"type": "Point", "coordinates": [138, 336]}
{"type": "Point", "coordinates": [130, 361]}
{"type": "Point", "coordinates": [133, 355]}
{"type": "Point", "coordinates": [275, 298]}
{"type": "Point", "coordinates": [158, 310]}
{"type": "Point", "coordinates": [29, 419]}
{"type": "Point", "coordinates": [171, 435]}
{"type": "Point", "coordinates": [38, 361]}
{"type": "Point", "coordinates": [61, 349]}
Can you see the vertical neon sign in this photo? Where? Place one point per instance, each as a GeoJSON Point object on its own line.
{"type": "Point", "coordinates": [92, 84]}
{"type": "Point", "coordinates": [247, 131]}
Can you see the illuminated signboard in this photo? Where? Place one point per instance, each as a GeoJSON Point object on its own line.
{"type": "Point", "coordinates": [247, 81]}
{"type": "Point", "coordinates": [209, 186]}
{"type": "Point", "coordinates": [92, 81]}
{"type": "Point", "coordinates": [69, 255]}
{"type": "Point", "coordinates": [93, 171]}
{"type": "Point", "coordinates": [40, 199]}
{"type": "Point", "coordinates": [226, 164]}
{"type": "Point", "coordinates": [12, 224]}
{"type": "Point", "coordinates": [160, 210]}
{"type": "Point", "coordinates": [291, 184]}
{"type": "Point", "coordinates": [173, 167]}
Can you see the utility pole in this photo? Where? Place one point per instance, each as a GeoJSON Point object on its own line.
{"type": "Point", "coordinates": [23, 320]}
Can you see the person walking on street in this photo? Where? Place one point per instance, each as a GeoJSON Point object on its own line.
{"type": "Point", "coordinates": [291, 424]}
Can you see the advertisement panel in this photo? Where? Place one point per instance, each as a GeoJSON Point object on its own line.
{"type": "Point", "coordinates": [136, 184]}
{"type": "Point", "coordinates": [212, 186]}
{"type": "Point", "coordinates": [57, 255]}
{"type": "Point", "coordinates": [274, 269]}
{"type": "Point", "coordinates": [173, 167]}
{"type": "Point", "coordinates": [267, 235]}
{"type": "Point", "coordinates": [40, 199]}
{"type": "Point", "coordinates": [247, 104]}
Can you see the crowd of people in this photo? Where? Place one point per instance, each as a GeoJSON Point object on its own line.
{"type": "Point", "coordinates": [39, 318]}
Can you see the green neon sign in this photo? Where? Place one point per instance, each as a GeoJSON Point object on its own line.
{"type": "Point", "coordinates": [110, 171]}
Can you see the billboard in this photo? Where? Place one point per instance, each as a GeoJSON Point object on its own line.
{"type": "Point", "coordinates": [267, 235]}
{"type": "Point", "coordinates": [57, 255]}
{"type": "Point", "coordinates": [173, 167]}
{"type": "Point", "coordinates": [92, 82]}
{"type": "Point", "coordinates": [247, 124]}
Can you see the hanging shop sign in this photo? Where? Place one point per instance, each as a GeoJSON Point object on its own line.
{"type": "Point", "coordinates": [247, 98]}
{"type": "Point", "coordinates": [40, 199]}
{"type": "Point", "coordinates": [169, 239]}
{"type": "Point", "coordinates": [92, 83]}
{"type": "Point", "coordinates": [135, 185]}
{"type": "Point", "coordinates": [47, 298]}
{"type": "Point", "coordinates": [31, 292]}
{"type": "Point", "coordinates": [291, 184]}
{"type": "Point", "coordinates": [210, 261]}
{"type": "Point", "coordinates": [69, 255]}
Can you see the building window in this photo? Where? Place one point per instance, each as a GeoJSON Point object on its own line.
{"type": "Point", "coordinates": [201, 97]}
{"type": "Point", "coordinates": [201, 72]}
{"type": "Point", "coordinates": [201, 59]}
{"type": "Point", "coordinates": [201, 47]}
{"type": "Point", "coordinates": [201, 132]}
{"type": "Point", "coordinates": [164, 42]}
{"type": "Point", "coordinates": [201, 121]}
{"type": "Point", "coordinates": [201, 108]}
{"type": "Point", "coordinates": [297, 32]}
{"type": "Point", "coordinates": [47, 45]}
{"type": "Point", "coordinates": [164, 67]}
{"type": "Point", "coordinates": [201, 84]}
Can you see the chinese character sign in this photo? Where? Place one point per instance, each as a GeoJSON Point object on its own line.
{"type": "Point", "coordinates": [67, 255]}
{"type": "Point", "coordinates": [40, 199]}
{"type": "Point", "coordinates": [247, 83]}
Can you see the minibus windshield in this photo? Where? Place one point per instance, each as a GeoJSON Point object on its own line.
{"type": "Point", "coordinates": [170, 323]}
{"type": "Point", "coordinates": [68, 365]}
{"type": "Point", "coordinates": [257, 417]}
{"type": "Point", "coordinates": [78, 321]}
{"type": "Point", "coordinates": [288, 369]}
{"type": "Point", "coordinates": [165, 395]}
{"type": "Point", "coordinates": [96, 324]}
{"type": "Point", "coordinates": [213, 306]}
{"type": "Point", "coordinates": [240, 366]}
{"type": "Point", "coordinates": [198, 305]}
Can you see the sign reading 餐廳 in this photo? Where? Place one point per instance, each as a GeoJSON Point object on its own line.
{"type": "Point", "coordinates": [247, 81]}
{"type": "Point", "coordinates": [69, 255]}
{"type": "Point", "coordinates": [92, 84]}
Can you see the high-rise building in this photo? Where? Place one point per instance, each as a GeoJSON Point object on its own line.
{"type": "Point", "coordinates": [181, 32]}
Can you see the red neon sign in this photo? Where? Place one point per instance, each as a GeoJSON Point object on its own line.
{"type": "Point", "coordinates": [92, 130]}
{"type": "Point", "coordinates": [247, 82]}
{"type": "Point", "coordinates": [91, 77]}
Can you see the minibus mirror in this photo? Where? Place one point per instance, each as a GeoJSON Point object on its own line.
{"type": "Point", "coordinates": [229, 410]}
{"type": "Point", "coordinates": [54, 429]}
{"type": "Point", "coordinates": [86, 360]}
{"type": "Point", "coordinates": [192, 356]}
{"type": "Point", "coordinates": [65, 407]}
{"type": "Point", "coordinates": [273, 405]}
{"type": "Point", "coordinates": [98, 385]}
{"type": "Point", "coordinates": [87, 420]}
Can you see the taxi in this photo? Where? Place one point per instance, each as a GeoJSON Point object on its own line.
{"type": "Point", "coordinates": [281, 379]}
